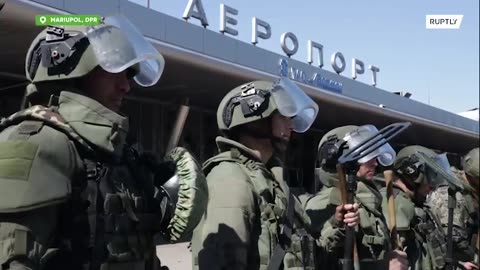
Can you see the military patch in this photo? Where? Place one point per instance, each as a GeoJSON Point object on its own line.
{"type": "Point", "coordinates": [16, 159]}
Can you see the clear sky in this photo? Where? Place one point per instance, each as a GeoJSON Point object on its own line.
{"type": "Point", "coordinates": [439, 67]}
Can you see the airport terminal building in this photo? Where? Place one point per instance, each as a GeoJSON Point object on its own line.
{"type": "Point", "coordinates": [202, 65]}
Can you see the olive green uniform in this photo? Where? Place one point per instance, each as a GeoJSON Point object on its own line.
{"type": "Point", "coordinates": [404, 215]}
{"type": "Point", "coordinates": [45, 218]}
{"type": "Point", "coordinates": [430, 223]}
{"type": "Point", "coordinates": [73, 193]}
{"type": "Point", "coordinates": [372, 236]}
{"type": "Point", "coordinates": [246, 213]}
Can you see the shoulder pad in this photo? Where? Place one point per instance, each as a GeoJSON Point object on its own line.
{"type": "Point", "coordinates": [213, 161]}
{"type": "Point", "coordinates": [36, 172]}
{"type": "Point", "coordinates": [49, 117]}
{"type": "Point", "coordinates": [404, 209]}
{"type": "Point", "coordinates": [321, 199]}
{"type": "Point", "coordinates": [335, 197]}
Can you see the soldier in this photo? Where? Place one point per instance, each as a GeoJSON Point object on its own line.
{"type": "Point", "coordinates": [73, 193]}
{"type": "Point", "coordinates": [431, 212]}
{"type": "Point", "coordinates": [252, 220]}
{"type": "Point", "coordinates": [471, 169]}
{"type": "Point", "coordinates": [372, 237]}
{"type": "Point", "coordinates": [470, 177]}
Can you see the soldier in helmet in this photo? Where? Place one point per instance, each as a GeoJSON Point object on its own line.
{"type": "Point", "coordinates": [373, 243]}
{"type": "Point", "coordinates": [470, 177]}
{"type": "Point", "coordinates": [430, 222]}
{"type": "Point", "coordinates": [471, 163]}
{"type": "Point", "coordinates": [253, 221]}
{"type": "Point", "coordinates": [73, 193]}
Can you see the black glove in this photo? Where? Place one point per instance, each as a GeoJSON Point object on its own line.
{"type": "Point", "coordinates": [161, 169]}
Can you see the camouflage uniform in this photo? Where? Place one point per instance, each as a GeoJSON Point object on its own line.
{"type": "Point", "coordinates": [430, 222]}
{"type": "Point", "coordinates": [470, 177]}
{"type": "Point", "coordinates": [437, 201]}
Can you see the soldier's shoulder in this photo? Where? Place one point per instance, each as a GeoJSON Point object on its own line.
{"type": "Point", "coordinates": [220, 170]}
{"type": "Point", "coordinates": [321, 199]}
{"type": "Point", "coordinates": [229, 178]}
{"type": "Point", "coordinates": [439, 192]}
{"type": "Point", "coordinates": [335, 196]}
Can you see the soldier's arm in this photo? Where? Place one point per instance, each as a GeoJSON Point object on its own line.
{"type": "Point", "coordinates": [332, 233]}
{"type": "Point", "coordinates": [462, 249]}
{"type": "Point", "coordinates": [223, 238]}
{"type": "Point", "coordinates": [31, 195]}
{"type": "Point", "coordinates": [405, 212]}
{"type": "Point", "coordinates": [461, 241]}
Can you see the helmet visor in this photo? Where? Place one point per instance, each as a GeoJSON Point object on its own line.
{"type": "Point", "coordinates": [438, 170]}
{"type": "Point", "coordinates": [294, 103]}
{"type": "Point", "coordinates": [118, 45]}
{"type": "Point", "coordinates": [384, 153]}
{"type": "Point", "coordinates": [442, 160]}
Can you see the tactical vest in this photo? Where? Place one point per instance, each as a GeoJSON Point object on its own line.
{"type": "Point", "coordinates": [430, 235]}
{"type": "Point", "coordinates": [110, 218]}
{"type": "Point", "coordinates": [373, 240]}
{"type": "Point", "coordinates": [282, 239]}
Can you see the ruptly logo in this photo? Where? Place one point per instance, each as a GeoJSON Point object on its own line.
{"type": "Point", "coordinates": [443, 21]}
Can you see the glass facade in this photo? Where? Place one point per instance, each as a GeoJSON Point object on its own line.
{"type": "Point", "coordinates": [152, 124]}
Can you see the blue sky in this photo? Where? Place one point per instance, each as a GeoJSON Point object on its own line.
{"type": "Point", "coordinates": [440, 67]}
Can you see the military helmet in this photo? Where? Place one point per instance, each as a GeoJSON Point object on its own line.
{"type": "Point", "coordinates": [61, 53]}
{"type": "Point", "coordinates": [330, 149]}
{"type": "Point", "coordinates": [326, 153]}
{"type": "Point", "coordinates": [408, 166]}
{"type": "Point", "coordinates": [471, 163]}
{"type": "Point", "coordinates": [336, 134]}
{"type": "Point", "coordinates": [257, 100]}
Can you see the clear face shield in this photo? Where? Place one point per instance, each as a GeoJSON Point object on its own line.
{"type": "Point", "coordinates": [294, 103]}
{"type": "Point", "coordinates": [118, 45]}
{"type": "Point", "coordinates": [385, 154]}
{"type": "Point", "coordinates": [438, 171]}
